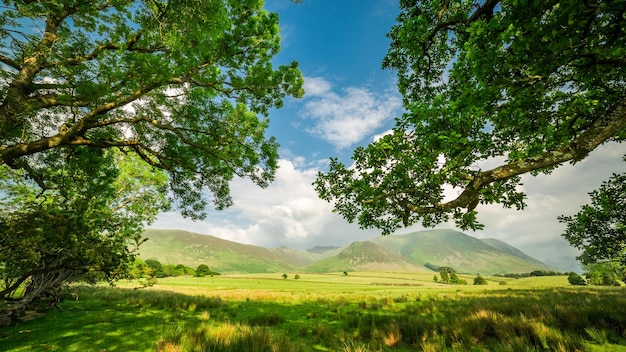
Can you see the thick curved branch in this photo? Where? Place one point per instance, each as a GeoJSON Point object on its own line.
{"type": "Point", "coordinates": [20, 281]}
{"type": "Point", "coordinates": [18, 89]}
{"type": "Point", "coordinates": [601, 131]}
{"type": "Point", "coordinates": [10, 62]}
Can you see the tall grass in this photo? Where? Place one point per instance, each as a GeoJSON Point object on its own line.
{"type": "Point", "coordinates": [454, 319]}
{"type": "Point", "coordinates": [226, 337]}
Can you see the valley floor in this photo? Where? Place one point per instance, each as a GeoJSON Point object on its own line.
{"type": "Point", "coordinates": [331, 312]}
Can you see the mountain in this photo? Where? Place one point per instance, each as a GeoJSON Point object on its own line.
{"type": "Point", "coordinates": [505, 248]}
{"type": "Point", "coordinates": [182, 247]}
{"type": "Point", "coordinates": [566, 264]}
{"type": "Point", "coordinates": [409, 252]}
{"type": "Point", "coordinates": [303, 258]}
{"type": "Point", "coordinates": [364, 256]}
{"type": "Point", "coordinates": [323, 249]}
{"type": "Point", "coordinates": [465, 254]}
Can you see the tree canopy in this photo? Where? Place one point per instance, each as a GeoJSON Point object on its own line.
{"type": "Point", "coordinates": [86, 225]}
{"type": "Point", "coordinates": [528, 85]}
{"type": "Point", "coordinates": [184, 85]}
{"type": "Point", "coordinates": [105, 103]}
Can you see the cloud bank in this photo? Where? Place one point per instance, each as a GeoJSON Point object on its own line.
{"type": "Point", "coordinates": [288, 212]}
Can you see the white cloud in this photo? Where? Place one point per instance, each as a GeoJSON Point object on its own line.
{"type": "Point", "coordinates": [536, 229]}
{"type": "Point", "coordinates": [346, 118]}
{"type": "Point", "coordinates": [316, 86]}
{"type": "Point", "coordinates": [289, 213]}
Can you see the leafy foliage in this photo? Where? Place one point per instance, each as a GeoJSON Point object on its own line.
{"type": "Point", "coordinates": [575, 279]}
{"type": "Point", "coordinates": [599, 228]}
{"type": "Point", "coordinates": [479, 280]}
{"type": "Point", "coordinates": [604, 274]}
{"type": "Point", "coordinates": [183, 85]}
{"type": "Point", "coordinates": [444, 276]}
{"type": "Point", "coordinates": [203, 270]}
{"type": "Point", "coordinates": [85, 225]}
{"type": "Point", "coordinates": [527, 85]}
{"type": "Point", "coordinates": [156, 267]}
{"type": "Point", "coordinates": [105, 103]}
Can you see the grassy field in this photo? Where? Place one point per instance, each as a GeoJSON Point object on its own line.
{"type": "Point", "coordinates": [331, 312]}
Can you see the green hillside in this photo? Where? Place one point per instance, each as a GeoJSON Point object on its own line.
{"type": "Point", "coordinates": [365, 256]}
{"type": "Point", "coordinates": [506, 248]}
{"type": "Point", "coordinates": [409, 252]}
{"type": "Point", "coordinates": [464, 253]}
{"type": "Point", "coordinates": [303, 258]}
{"type": "Point", "coordinates": [181, 247]}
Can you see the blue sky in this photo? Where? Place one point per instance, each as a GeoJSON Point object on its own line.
{"type": "Point", "coordinates": [349, 100]}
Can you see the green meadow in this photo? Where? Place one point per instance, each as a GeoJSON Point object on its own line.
{"type": "Point", "coordinates": [329, 312]}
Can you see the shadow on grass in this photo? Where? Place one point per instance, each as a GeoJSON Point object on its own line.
{"type": "Point", "coordinates": [106, 319]}
{"type": "Point", "coordinates": [114, 319]}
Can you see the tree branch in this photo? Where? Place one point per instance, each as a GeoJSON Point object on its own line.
{"type": "Point", "coordinates": [601, 131]}
{"type": "Point", "coordinates": [10, 62]}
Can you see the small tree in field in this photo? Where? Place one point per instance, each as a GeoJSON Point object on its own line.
{"type": "Point", "coordinates": [202, 270]}
{"type": "Point", "coordinates": [575, 279]}
{"type": "Point", "coordinates": [144, 274]}
{"type": "Point", "coordinates": [454, 279]}
{"type": "Point", "coordinates": [444, 276]}
{"type": "Point", "coordinates": [479, 280]}
{"type": "Point", "coordinates": [285, 276]}
{"type": "Point", "coordinates": [603, 274]}
{"type": "Point", "coordinates": [156, 266]}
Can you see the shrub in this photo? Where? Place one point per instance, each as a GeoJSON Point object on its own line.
{"type": "Point", "coordinates": [202, 270]}
{"type": "Point", "coordinates": [575, 279]}
{"type": "Point", "coordinates": [479, 280]}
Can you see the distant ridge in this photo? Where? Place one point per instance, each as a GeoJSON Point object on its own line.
{"type": "Point", "coordinates": [461, 252]}
{"type": "Point", "coordinates": [407, 252]}
{"type": "Point", "coordinates": [505, 248]}
{"type": "Point", "coordinates": [365, 256]}
{"type": "Point", "coordinates": [182, 247]}
{"type": "Point", "coordinates": [322, 249]}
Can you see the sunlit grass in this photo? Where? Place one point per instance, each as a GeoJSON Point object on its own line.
{"type": "Point", "coordinates": [358, 312]}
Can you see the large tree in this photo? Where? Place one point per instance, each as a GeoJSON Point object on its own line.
{"type": "Point", "coordinates": [85, 224]}
{"type": "Point", "coordinates": [185, 85]}
{"type": "Point", "coordinates": [599, 228]}
{"type": "Point", "coordinates": [526, 84]}
{"type": "Point", "coordinates": [103, 104]}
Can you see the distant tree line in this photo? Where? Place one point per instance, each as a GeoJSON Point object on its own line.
{"type": "Point", "coordinates": [149, 270]}
{"type": "Point", "coordinates": [532, 273]}
{"type": "Point", "coordinates": [450, 270]}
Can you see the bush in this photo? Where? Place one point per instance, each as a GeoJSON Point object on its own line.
{"type": "Point", "coordinates": [575, 279]}
{"type": "Point", "coordinates": [479, 280]}
{"type": "Point", "coordinates": [203, 270]}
